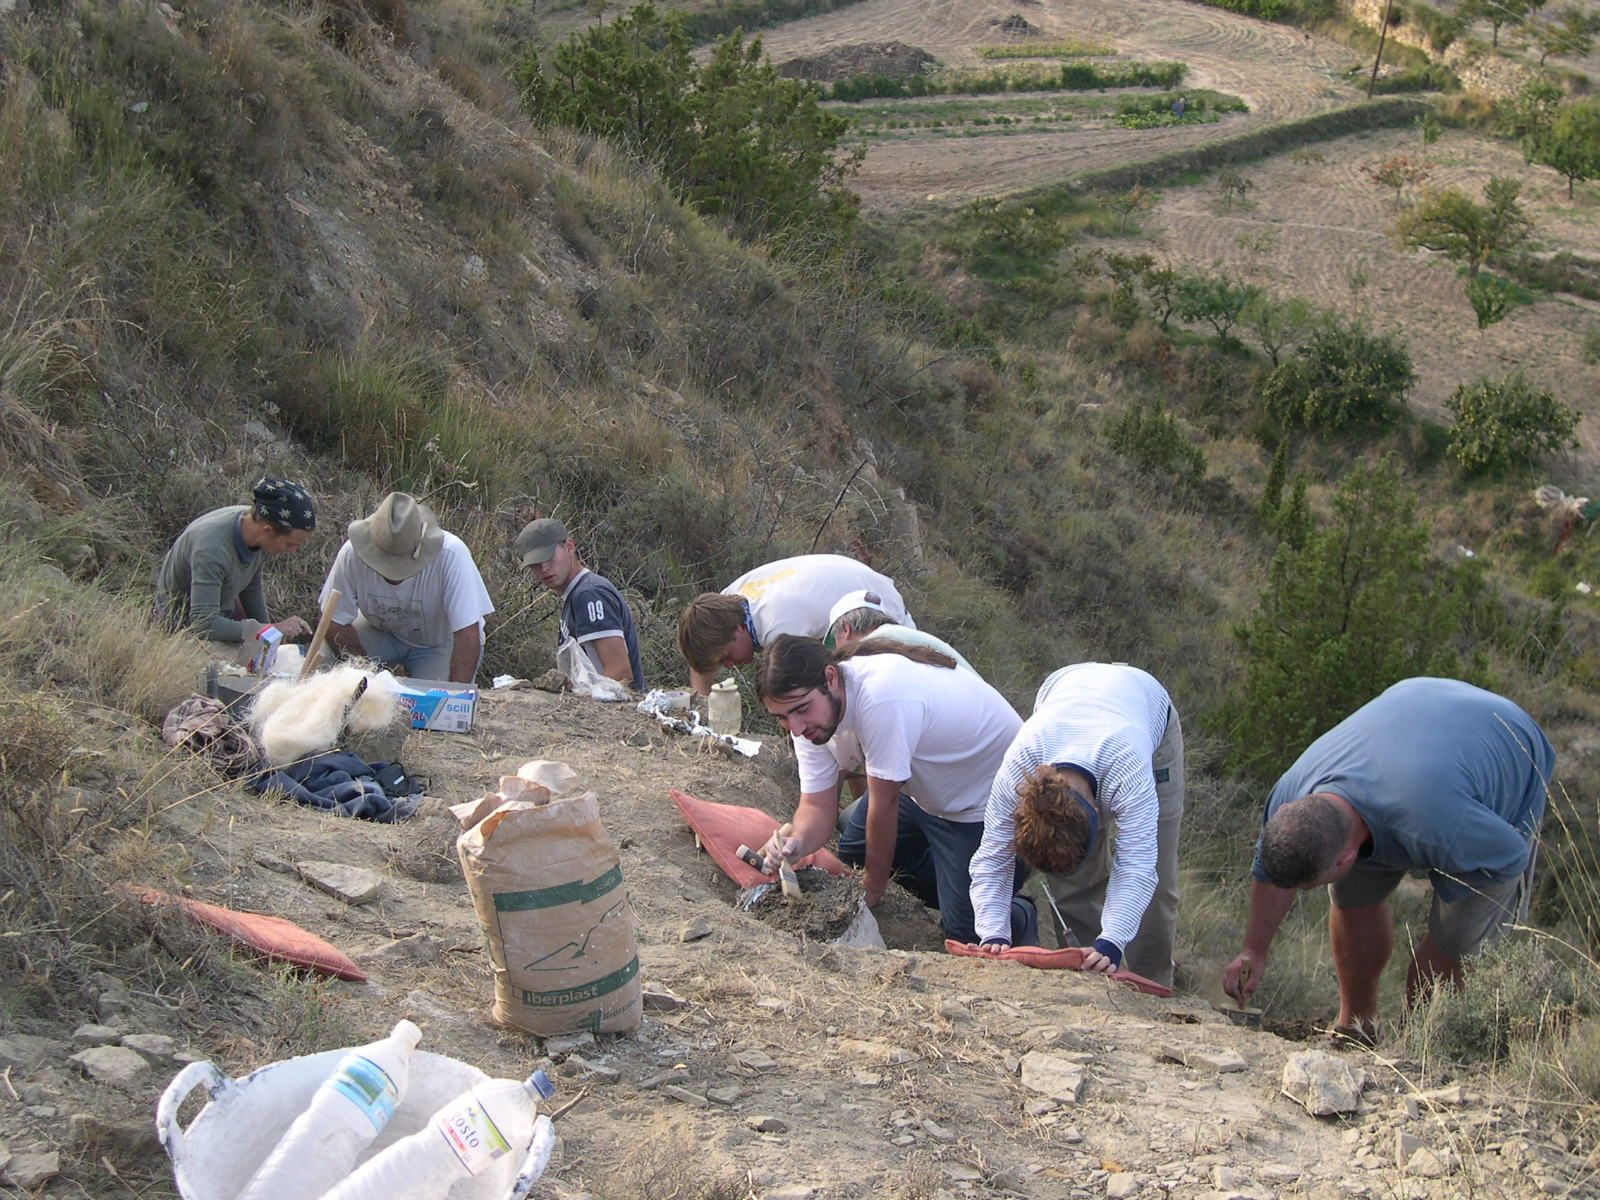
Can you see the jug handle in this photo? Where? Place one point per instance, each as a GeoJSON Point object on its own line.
{"type": "Point", "coordinates": [191, 1077]}
{"type": "Point", "coordinates": [537, 1159]}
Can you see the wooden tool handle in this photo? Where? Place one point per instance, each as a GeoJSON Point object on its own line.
{"type": "Point", "coordinates": [321, 635]}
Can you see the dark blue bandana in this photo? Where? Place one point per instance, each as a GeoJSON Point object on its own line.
{"type": "Point", "coordinates": [286, 505]}
{"type": "Point", "coordinates": [750, 624]}
{"type": "Point", "coordinates": [1086, 804]}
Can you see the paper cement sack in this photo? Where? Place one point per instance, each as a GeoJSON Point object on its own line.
{"type": "Point", "coordinates": [547, 885]}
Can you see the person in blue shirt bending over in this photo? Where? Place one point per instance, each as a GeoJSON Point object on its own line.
{"type": "Point", "coordinates": [1433, 775]}
{"type": "Point", "coordinates": [593, 612]}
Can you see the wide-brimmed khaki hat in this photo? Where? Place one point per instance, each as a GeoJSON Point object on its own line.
{"type": "Point", "coordinates": [399, 539]}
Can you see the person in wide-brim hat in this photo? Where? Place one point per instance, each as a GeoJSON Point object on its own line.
{"type": "Point", "coordinates": [399, 539]}
{"type": "Point", "coordinates": [410, 594]}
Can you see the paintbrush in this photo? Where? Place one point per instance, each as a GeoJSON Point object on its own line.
{"type": "Point", "coordinates": [787, 879]}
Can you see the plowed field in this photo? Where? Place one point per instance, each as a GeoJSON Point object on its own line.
{"type": "Point", "coordinates": [1279, 71]}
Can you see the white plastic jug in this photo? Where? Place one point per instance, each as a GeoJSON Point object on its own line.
{"type": "Point", "coordinates": [345, 1115]}
{"type": "Point", "coordinates": [724, 709]}
{"type": "Point", "coordinates": [461, 1140]}
{"type": "Point", "coordinates": [215, 1155]}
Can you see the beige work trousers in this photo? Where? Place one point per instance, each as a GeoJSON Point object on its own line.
{"type": "Point", "coordinates": [1081, 896]}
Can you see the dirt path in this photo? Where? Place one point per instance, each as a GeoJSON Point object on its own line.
{"type": "Point", "coordinates": [1314, 228]}
{"type": "Point", "coordinates": [1278, 71]}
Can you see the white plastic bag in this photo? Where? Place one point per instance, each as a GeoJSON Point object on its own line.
{"type": "Point", "coordinates": [584, 677]}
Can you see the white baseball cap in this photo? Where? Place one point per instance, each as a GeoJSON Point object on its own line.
{"type": "Point", "coordinates": [851, 601]}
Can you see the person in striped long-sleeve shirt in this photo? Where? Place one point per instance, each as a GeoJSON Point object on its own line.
{"type": "Point", "coordinates": [1102, 751]}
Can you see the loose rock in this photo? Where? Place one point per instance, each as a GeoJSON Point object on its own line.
{"type": "Point", "coordinates": [29, 1171]}
{"type": "Point", "coordinates": [659, 999]}
{"type": "Point", "coordinates": [116, 1065]}
{"type": "Point", "coordinates": [1052, 1076]}
{"type": "Point", "coordinates": [156, 1048]}
{"type": "Point", "coordinates": [693, 931]}
{"type": "Point", "coordinates": [725, 1096]}
{"type": "Point", "coordinates": [1122, 1185]}
{"type": "Point", "coordinates": [768, 1124]}
{"type": "Point", "coordinates": [1323, 1083]}
{"type": "Point", "coordinates": [96, 1035]}
{"type": "Point", "coordinates": [353, 885]}
{"type": "Point", "coordinates": [566, 1043]}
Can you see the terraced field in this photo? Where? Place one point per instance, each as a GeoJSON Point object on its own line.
{"type": "Point", "coordinates": [1315, 229]}
{"type": "Point", "coordinates": [1280, 73]}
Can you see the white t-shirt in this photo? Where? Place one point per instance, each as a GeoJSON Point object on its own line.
{"type": "Point", "coordinates": [1105, 719]}
{"type": "Point", "coordinates": [917, 637]}
{"type": "Point", "coordinates": [795, 595]}
{"type": "Point", "coordinates": [423, 611]}
{"type": "Point", "coordinates": [940, 730]}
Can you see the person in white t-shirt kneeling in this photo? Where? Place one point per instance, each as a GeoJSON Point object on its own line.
{"type": "Point", "coordinates": [863, 614]}
{"type": "Point", "coordinates": [928, 737]}
{"type": "Point", "coordinates": [410, 595]}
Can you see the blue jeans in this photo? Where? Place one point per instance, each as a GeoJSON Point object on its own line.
{"type": "Point", "coordinates": [413, 662]}
{"type": "Point", "coordinates": [931, 860]}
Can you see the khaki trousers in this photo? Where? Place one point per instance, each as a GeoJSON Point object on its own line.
{"type": "Point", "coordinates": [1081, 896]}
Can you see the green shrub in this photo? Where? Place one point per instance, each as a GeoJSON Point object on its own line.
{"type": "Point", "coordinates": [1506, 423]}
{"type": "Point", "coordinates": [1215, 299]}
{"type": "Point", "coordinates": [1591, 347]}
{"type": "Point", "coordinates": [1150, 437]}
{"type": "Point", "coordinates": [734, 136]}
{"type": "Point", "coordinates": [1441, 28]}
{"type": "Point", "coordinates": [1357, 606]}
{"type": "Point", "coordinates": [1491, 298]}
{"type": "Point", "coordinates": [1343, 374]}
{"type": "Point", "coordinates": [1070, 76]}
{"type": "Point", "coordinates": [1516, 991]}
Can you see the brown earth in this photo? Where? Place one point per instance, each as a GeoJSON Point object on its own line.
{"type": "Point", "coordinates": [895, 60]}
{"type": "Point", "coordinates": [1280, 72]}
{"type": "Point", "coordinates": [1310, 224]}
{"type": "Point", "coordinates": [894, 1072]}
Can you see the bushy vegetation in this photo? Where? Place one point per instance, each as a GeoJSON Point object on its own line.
{"type": "Point", "coordinates": [1465, 230]}
{"type": "Point", "coordinates": [1151, 438]}
{"type": "Point", "coordinates": [738, 139]}
{"type": "Point", "coordinates": [1057, 49]}
{"type": "Point", "coordinates": [1069, 77]}
{"type": "Point", "coordinates": [1507, 422]}
{"type": "Point", "coordinates": [1350, 607]}
{"type": "Point", "coordinates": [731, 16]}
{"type": "Point", "coordinates": [1343, 374]}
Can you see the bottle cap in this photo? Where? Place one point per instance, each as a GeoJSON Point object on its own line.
{"type": "Point", "coordinates": [539, 1083]}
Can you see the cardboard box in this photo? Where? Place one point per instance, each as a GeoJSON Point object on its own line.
{"type": "Point", "coordinates": [438, 705]}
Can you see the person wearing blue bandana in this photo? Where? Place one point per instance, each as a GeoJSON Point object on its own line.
{"type": "Point", "coordinates": [793, 595]}
{"type": "Point", "coordinates": [1091, 794]}
{"type": "Point", "coordinates": [210, 578]}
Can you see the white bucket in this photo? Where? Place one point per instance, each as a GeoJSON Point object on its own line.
{"type": "Point", "coordinates": [233, 1134]}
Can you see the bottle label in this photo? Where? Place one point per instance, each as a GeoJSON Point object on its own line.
{"type": "Point", "coordinates": [367, 1086]}
{"type": "Point", "coordinates": [472, 1135]}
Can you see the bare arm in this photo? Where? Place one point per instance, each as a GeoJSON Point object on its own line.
{"type": "Point", "coordinates": [701, 682]}
{"type": "Point", "coordinates": [465, 648]}
{"type": "Point", "coordinates": [813, 825]}
{"type": "Point", "coordinates": [345, 639]}
{"type": "Point", "coordinates": [1268, 906]}
{"type": "Point", "coordinates": [613, 655]}
{"type": "Point", "coordinates": [883, 823]}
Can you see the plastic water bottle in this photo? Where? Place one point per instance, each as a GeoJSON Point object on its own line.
{"type": "Point", "coordinates": [461, 1140]}
{"type": "Point", "coordinates": [348, 1110]}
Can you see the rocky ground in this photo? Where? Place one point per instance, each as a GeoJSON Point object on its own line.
{"type": "Point", "coordinates": [797, 1069]}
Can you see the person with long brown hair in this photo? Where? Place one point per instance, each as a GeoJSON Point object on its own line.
{"type": "Point", "coordinates": [929, 739]}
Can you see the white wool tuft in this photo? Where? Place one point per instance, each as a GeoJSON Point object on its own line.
{"type": "Point", "coordinates": [296, 718]}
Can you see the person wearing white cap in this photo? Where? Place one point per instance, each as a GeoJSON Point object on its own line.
{"type": "Point", "coordinates": [792, 595]}
{"type": "Point", "coordinates": [593, 612]}
{"type": "Point", "coordinates": [861, 615]}
{"type": "Point", "coordinates": [410, 595]}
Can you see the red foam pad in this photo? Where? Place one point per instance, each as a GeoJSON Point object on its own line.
{"type": "Point", "coordinates": [272, 936]}
{"type": "Point", "coordinates": [1069, 958]}
{"type": "Point", "coordinates": [722, 827]}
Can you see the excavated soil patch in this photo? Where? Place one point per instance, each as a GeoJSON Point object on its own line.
{"type": "Point", "coordinates": [895, 60]}
{"type": "Point", "coordinates": [830, 904]}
